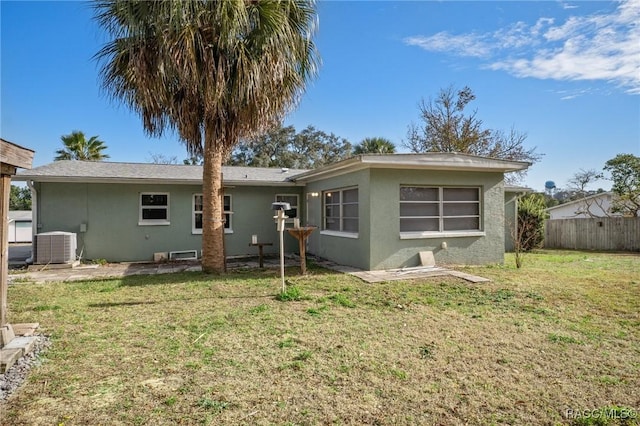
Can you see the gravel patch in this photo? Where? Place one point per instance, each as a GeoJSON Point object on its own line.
{"type": "Point", "coordinates": [17, 374]}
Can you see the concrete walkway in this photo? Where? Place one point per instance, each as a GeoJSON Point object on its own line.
{"type": "Point", "coordinates": [97, 272]}
{"type": "Point", "coordinates": [18, 253]}
{"type": "Point", "coordinates": [118, 270]}
{"type": "Point", "coordinates": [55, 273]}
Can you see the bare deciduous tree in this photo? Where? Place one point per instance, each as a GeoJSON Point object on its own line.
{"type": "Point", "coordinates": [445, 127]}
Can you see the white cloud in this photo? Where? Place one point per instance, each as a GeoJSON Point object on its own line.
{"type": "Point", "coordinates": [463, 45]}
{"type": "Point", "coordinates": [568, 6]}
{"type": "Point", "coordinates": [594, 47]}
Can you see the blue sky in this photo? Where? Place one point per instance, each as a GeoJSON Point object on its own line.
{"type": "Point", "coordinates": [566, 73]}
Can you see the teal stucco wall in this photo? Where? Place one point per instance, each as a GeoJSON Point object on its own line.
{"type": "Point", "coordinates": [379, 245]}
{"type": "Point", "coordinates": [389, 251]}
{"type": "Point", "coordinates": [340, 249]}
{"type": "Point", "coordinates": [253, 216]}
{"type": "Point", "coordinates": [111, 212]}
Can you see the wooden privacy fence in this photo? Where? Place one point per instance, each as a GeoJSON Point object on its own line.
{"type": "Point", "coordinates": [603, 233]}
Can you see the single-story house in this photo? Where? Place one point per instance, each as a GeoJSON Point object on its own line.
{"type": "Point", "coordinates": [19, 228]}
{"type": "Point", "coordinates": [597, 205]}
{"type": "Point", "coordinates": [372, 211]}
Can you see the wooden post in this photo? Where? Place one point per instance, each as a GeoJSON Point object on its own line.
{"type": "Point", "coordinates": [11, 157]}
{"type": "Point", "coordinates": [5, 190]}
{"type": "Point", "coordinates": [302, 234]}
{"type": "Point", "coordinates": [303, 256]}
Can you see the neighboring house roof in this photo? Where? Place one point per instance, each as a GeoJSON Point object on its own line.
{"type": "Point", "coordinates": [103, 171]}
{"type": "Point", "coordinates": [20, 215]}
{"type": "Point", "coordinates": [594, 205]}
{"type": "Point", "coordinates": [428, 161]}
{"type": "Point", "coordinates": [581, 201]}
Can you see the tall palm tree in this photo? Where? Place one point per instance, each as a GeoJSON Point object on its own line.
{"type": "Point", "coordinates": [375, 146]}
{"type": "Point", "coordinates": [77, 147]}
{"type": "Point", "coordinates": [214, 71]}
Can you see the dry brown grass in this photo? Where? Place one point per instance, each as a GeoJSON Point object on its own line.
{"type": "Point", "coordinates": [561, 333]}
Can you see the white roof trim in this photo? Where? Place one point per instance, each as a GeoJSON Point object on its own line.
{"type": "Point", "coordinates": [85, 179]}
{"type": "Point", "coordinates": [519, 189]}
{"type": "Point", "coordinates": [429, 161]}
{"type": "Point", "coordinates": [150, 181]}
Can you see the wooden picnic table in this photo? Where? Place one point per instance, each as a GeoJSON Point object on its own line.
{"type": "Point", "coordinates": [260, 253]}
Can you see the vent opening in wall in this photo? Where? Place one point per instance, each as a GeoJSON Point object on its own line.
{"type": "Point", "coordinates": [54, 247]}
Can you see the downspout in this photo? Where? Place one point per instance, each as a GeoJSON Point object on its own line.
{"type": "Point", "coordinates": [34, 218]}
{"type": "Point", "coordinates": [516, 216]}
{"type": "Point", "coordinates": [514, 199]}
{"type": "Point", "coordinates": [515, 219]}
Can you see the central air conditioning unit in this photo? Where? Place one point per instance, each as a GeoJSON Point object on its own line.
{"type": "Point", "coordinates": [54, 247]}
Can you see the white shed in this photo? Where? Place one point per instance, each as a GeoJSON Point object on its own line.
{"type": "Point", "coordinates": [20, 226]}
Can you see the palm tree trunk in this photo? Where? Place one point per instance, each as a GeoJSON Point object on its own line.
{"type": "Point", "coordinates": [212, 211]}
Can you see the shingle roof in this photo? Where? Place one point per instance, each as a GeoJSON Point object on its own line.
{"type": "Point", "coordinates": [102, 171]}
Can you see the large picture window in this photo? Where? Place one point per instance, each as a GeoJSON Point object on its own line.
{"type": "Point", "coordinates": [439, 209]}
{"type": "Point", "coordinates": [341, 210]}
{"type": "Point", "coordinates": [197, 214]}
{"type": "Point", "coordinates": [154, 208]}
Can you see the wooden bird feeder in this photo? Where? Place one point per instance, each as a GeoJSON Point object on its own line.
{"type": "Point", "coordinates": [301, 234]}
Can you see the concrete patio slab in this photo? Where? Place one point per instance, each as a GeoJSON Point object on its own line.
{"type": "Point", "coordinates": [414, 273]}
{"type": "Point", "coordinates": [118, 270]}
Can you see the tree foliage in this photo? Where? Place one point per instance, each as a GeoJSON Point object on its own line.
{"type": "Point", "coordinates": [577, 189]}
{"type": "Point", "coordinates": [193, 160]}
{"type": "Point", "coordinates": [77, 147]}
{"type": "Point", "coordinates": [19, 198]}
{"type": "Point", "coordinates": [284, 147]}
{"type": "Point", "coordinates": [214, 71]}
{"type": "Point", "coordinates": [625, 173]}
{"type": "Point", "coordinates": [581, 180]}
{"type": "Point", "coordinates": [529, 230]}
{"type": "Point", "coordinates": [446, 127]}
{"type": "Point", "coordinates": [375, 146]}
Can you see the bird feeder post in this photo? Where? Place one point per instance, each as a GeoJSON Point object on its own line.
{"type": "Point", "coordinates": [280, 218]}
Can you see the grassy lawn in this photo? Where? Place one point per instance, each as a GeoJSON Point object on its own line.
{"type": "Point", "coordinates": [561, 334]}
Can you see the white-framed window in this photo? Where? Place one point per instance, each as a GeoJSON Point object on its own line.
{"type": "Point", "coordinates": [197, 206]}
{"type": "Point", "coordinates": [428, 210]}
{"type": "Point", "coordinates": [341, 213]}
{"type": "Point", "coordinates": [154, 208]}
{"type": "Point", "coordinates": [293, 201]}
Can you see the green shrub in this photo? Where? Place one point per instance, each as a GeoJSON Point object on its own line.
{"type": "Point", "coordinates": [532, 212]}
